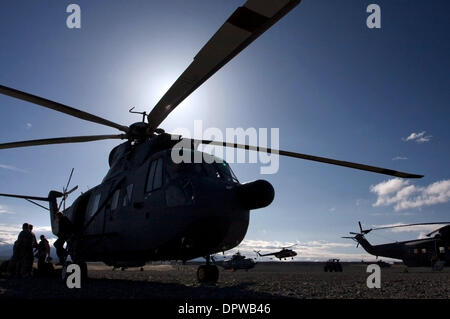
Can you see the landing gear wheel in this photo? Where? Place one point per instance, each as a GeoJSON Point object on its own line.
{"type": "Point", "coordinates": [207, 274]}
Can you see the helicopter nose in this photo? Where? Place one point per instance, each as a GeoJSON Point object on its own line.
{"type": "Point", "coordinates": [257, 194]}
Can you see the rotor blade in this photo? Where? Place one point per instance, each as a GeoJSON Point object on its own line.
{"type": "Point", "coordinates": [72, 190]}
{"type": "Point", "coordinates": [61, 140]}
{"type": "Point", "coordinates": [408, 225]}
{"type": "Point", "coordinates": [26, 197]}
{"type": "Point", "coordinates": [363, 167]}
{"type": "Point", "coordinates": [59, 107]}
{"type": "Point", "coordinates": [245, 25]}
{"type": "Point", "coordinates": [65, 191]}
{"type": "Point", "coordinates": [61, 202]}
{"type": "Point", "coordinates": [37, 204]}
{"type": "Point", "coordinates": [360, 227]}
{"type": "Point", "coordinates": [68, 182]}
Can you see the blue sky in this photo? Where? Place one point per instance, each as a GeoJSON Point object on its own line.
{"type": "Point", "coordinates": [332, 86]}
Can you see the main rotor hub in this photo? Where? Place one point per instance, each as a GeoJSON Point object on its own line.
{"type": "Point", "coordinates": [138, 131]}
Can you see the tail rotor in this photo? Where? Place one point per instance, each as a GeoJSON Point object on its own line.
{"type": "Point", "coordinates": [66, 193]}
{"type": "Point", "coordinates": [360, 234]}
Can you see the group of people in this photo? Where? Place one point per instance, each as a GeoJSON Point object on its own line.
{"type": "Point", "coordinates": [25, 249]}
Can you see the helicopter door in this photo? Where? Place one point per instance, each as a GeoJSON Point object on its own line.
{"type": "Point", "coordinates": [95, 217]}
{"type": "Point", "coordinates": [154, 190]}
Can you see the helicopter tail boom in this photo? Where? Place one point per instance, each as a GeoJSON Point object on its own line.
{"type": "Point", "coordinates": [51, 199]}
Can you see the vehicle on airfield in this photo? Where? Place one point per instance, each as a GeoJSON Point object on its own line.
{"type": "Point", "coordinates": [333, 265]}
{"type": "Point", "coordinates": [236, 262]}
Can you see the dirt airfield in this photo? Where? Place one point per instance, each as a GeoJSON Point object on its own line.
{"type": "Point", "coordinates": [283, 280]}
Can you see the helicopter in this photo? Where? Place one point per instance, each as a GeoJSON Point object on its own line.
{"type": "Point", "coordinates": [282, 254]}
{"type": "Point", "coordinates": [427, 252]}
{"type": "Point", "coordinates": [149, 208]}
{"type": "Point", "coordinates": [236, 262]}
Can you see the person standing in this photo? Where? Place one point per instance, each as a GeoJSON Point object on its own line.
{"type": "Point", "coordinates": [35, 244]}
{"type": "Point", "coordinates": [24, 251]}
{"type": "Point", "coordinates": [14, 264]}
{"type": "Point", "coordinates": [43, 252]}
{"type": "Point", "coordinates": [64, 232]}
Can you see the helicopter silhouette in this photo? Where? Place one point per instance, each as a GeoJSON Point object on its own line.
{"type": "Point", "coordinates": [149, 208]}
{"type": "Point", "coordinates": [284, 253]}
{"type": "Point", "coordinates": [427, 252]}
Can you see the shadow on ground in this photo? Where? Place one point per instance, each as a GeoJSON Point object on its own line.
{"type": "Point", "coordinates": [48, 288]}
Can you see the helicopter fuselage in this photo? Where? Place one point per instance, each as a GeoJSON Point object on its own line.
{"type": "Point", "coordinates": [413, 253]}
{"type": "Point", "coordinates": [149, 208]}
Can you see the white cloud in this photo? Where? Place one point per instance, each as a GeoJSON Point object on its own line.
{"type": "Point", "coordinates": [399, 158]}
{"type": "Point", "coordinates": [9, 233]}
{"type": "Point", "coordinates": [28, 126]}
{"type": "Point", "coordinates": [403, 195]}
{"type": "Point", "coordinates": [332, 209]}
{"type": "Point", "coordinates": [5, 210]}
{"type": "Point", "coordinates": [418, 137]}
{"type": "Point", "coordinates": [12, 168]}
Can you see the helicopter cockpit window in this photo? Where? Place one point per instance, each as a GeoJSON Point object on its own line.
{"type": "Point", "coordinates": [211, 166]}
{"type": "Point", "coordinates": [224, 172]}
{"type": "Point", "coordinates": [115, 199]}
{"type": "Point", "coordinates": [128, 195]}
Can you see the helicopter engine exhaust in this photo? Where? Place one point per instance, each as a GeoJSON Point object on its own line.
{"type": "Point", "coordinates": [257, 194]}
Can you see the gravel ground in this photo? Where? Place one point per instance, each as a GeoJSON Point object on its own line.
{"type": "Point", "coordinates": [265, 281]}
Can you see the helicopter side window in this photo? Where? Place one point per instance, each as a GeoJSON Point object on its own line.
{"type": "Point", "coordinates": [157, 182]}
{"type": "Point", "coordinates": [127, 196]}
{"type": "Point", "coordinates": [115, 199]}
{"type": "Point", "coordinates": [155, 176]}
{"type": "Point", "coordinates": [442, 250]}
{"type": "Point", "coordinates": [424, 250]}
{"type": "Point", "coordinates": [151, 174]}
{"type": "Point", "coordinates": [95, 204]}
{"type": "Point", "coordinates": [416, 251]}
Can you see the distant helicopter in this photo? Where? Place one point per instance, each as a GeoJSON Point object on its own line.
{"type": "Point", "coordinates": [282, 254]}
{"type": "Point", "coordinates": [428, 252]}
{"type": "Point", "coordinates": [149, 208]}
{"type": "Point", "coordinates": [236, 262]}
